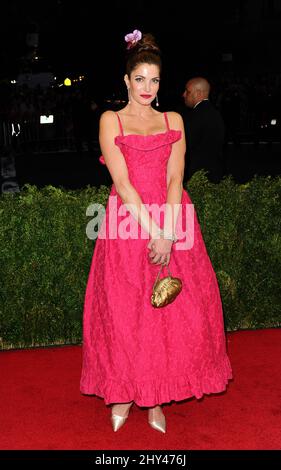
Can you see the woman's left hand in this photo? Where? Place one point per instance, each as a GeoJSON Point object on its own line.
{"type": "Point", "coordinates": [160, 251]}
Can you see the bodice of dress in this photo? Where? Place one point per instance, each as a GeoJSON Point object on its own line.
{"type": "Point", "coordinates": [147, 156]}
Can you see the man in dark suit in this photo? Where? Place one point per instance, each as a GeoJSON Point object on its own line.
{"type": "Point", "coordinates": [204, 129]}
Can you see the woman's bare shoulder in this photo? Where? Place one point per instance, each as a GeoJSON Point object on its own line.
{"type": "Point", "coordinates": [108, 116]}
{"type": "Point", "coordinates": [108, 125]}
{"type": "Point", "coordinates": [175, 119]}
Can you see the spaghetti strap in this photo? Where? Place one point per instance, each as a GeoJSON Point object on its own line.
{"type": "Point", "coordinates": [120, 124]}
{"type": "Point", "coordinates": [167, 122]}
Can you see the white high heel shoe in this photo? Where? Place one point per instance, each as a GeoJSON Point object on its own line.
{"type": "Point", "coordinates": [157, 423]}
{"type": "Point", "coordinates": [118, 421]}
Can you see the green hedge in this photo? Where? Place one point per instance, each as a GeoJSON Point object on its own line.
{"type": "Point", "coordinates": [46, 256]}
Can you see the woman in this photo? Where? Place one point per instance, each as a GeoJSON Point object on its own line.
{"type": "Point", "coordinates": [132, 352]}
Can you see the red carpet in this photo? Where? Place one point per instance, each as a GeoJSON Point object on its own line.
{"type": "Point", "coordinates": [41, 406]}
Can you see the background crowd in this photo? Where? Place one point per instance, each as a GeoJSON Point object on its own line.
{"type": "Point", "coordinates": [250, 108]}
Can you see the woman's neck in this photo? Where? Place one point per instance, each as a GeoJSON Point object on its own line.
{"type": "Point", "coordinates": [141, 111]}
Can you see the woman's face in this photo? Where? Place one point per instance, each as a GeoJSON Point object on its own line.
{"type": "Point", "coordinates": [143, 83]}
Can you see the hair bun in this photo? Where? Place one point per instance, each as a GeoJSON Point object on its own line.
{"type": "Point", "coordinates": [147, 43]}
{"type": "Point", "coordinates": [141, 49]}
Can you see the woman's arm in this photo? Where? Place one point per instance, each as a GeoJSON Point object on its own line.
{"type": "Point", "coordinates": [117, 167]}
{"type": "Point", "coordinates": [175, 173]}
{"type": "Point", "coordinates": [161, 249]}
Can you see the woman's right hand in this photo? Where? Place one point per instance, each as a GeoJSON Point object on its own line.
{"type": "Point", "coordinates": [160, 251]}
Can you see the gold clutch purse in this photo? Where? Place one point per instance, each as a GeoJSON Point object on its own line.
{"type": "Point", "coordinates": [165, 290]}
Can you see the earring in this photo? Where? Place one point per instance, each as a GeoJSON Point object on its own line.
{"type": "Point", "coordinates": [157, 102]}
{"type": "Point", "coordinates": [129, 100]}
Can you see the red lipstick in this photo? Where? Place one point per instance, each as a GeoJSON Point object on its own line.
{"type": "Point", "coordinates": [146, 96]}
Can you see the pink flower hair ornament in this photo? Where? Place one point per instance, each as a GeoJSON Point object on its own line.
{"type": "Point", "coordinates": [133, 38]}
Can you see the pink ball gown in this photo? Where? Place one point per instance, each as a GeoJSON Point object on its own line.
{"type": "Point", "coordinates": [131, 350]}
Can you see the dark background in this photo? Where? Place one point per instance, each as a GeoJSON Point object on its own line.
{"type": "Point", "coordinates": [88, 37]}
{"type": "Point", "coordinates": [235, 44]}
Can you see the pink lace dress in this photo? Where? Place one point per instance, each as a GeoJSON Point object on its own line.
{"type": "Point", "coordinates": [132, 351]}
